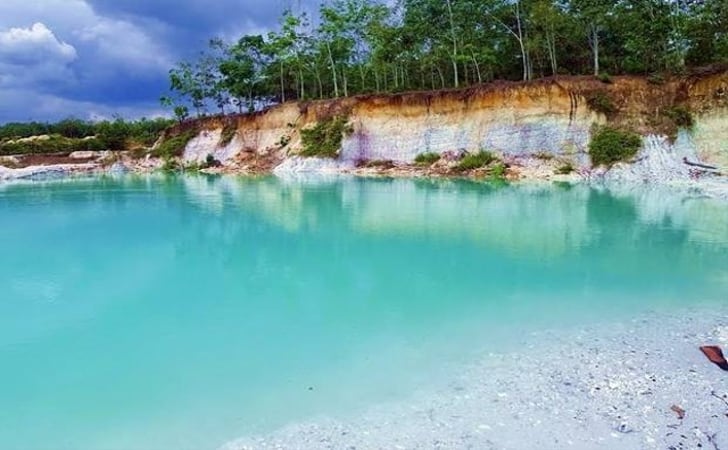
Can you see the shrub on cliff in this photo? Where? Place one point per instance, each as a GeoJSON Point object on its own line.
{"type": "Point", "coordinates": [175, 145]}
{"type": "Point", "coordinates": [601, 102]}
{"type": "Point", "coordinates": [324, 139]}
{"type": "Point", "coordinates": [610, 145]}
{"type": "Point", "coordinates": [681, 116]}
{"type": "Point", "coordinates": [427, 159]}
{"type": "Point", "coordinates": [473, 161]}
{"type": "Point", "coordinates": [228, 134]}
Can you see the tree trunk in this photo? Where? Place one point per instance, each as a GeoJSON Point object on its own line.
{"type": "Point", "coordinates": [333, 70]}
{"type": "Point", "coordinates": [594, 43]}
{"type": "Point", "coordinates": [283, 91]}
{"type": "Point", "coordinates": [454, 44]}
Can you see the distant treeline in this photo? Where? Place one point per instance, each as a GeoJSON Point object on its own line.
{"type": "Point", "coordinates": [374, 46]}
{"type": "Point", "coordinates": [75, 134]}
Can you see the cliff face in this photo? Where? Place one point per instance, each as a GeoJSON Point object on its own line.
{"type": "Point", "coordinates": [548, 118]}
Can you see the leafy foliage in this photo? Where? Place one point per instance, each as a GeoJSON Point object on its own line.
{"type": "Point", "coordinates": [324, 139]}
{"type": "Point", "coordinates": [610, 145]}
{"type": "Point", "coordinates": [497, 172]}
{"type": "Point", "coordinates": [53, 144]}
{"type": "Point", "coordinates": [175, 145]}
{"type": "Point", "coordinates": [228, 134]}
{"type": "Point", "coordinates": [681, 116]}
{"type": "Point", "coordinates": [473, 161]}
{"type": "Point", "coordinates": [565, 169]}
{"type": "Point", "coordinates": [601, 102]}
{"type": "Point", "coordinates": [427, 159]}
{"type": "Point", "coordinates": [108, 135]}
{"type": "Point", "coordinates": [365, 46]}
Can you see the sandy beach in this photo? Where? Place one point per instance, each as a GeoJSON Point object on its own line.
{"type": "Point", "coordinates": [616, 386]}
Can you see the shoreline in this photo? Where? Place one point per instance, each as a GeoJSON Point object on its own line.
{"type": "Point", "coordinates": [527, 170]}
{"type": "Point", "coordinates": [614, 385]}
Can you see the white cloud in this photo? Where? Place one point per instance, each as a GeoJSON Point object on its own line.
{"type": "Point", "coordinates": [34, 56]}
{"type": "Point", "coordinates": [34, 44]}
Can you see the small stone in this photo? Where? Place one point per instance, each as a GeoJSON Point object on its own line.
{"type": "Point", "coordinates": [679, 411]}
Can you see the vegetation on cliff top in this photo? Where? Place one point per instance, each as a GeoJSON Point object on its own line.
{"type": "Point", "coordinates": [378, 46]}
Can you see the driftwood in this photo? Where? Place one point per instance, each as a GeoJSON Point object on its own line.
{"type": "Point", "coordinates": [702, 166]}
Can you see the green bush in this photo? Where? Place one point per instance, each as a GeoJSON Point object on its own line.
{"type": "Point", "coordinates": [175, 145]}
{"type": "Point", "coordinates": [476, 160]}
{"type": "Point", "coordinates": [610, 145]}
{"type": "Point", "coordinates": [171, 165]}
{"type": "Point", "coordinates": [427, 159]}
{"type": "Point", "coordinates": [324, 139]}
{"type": "Point", "coordinates": [114, 134]}
{"type": "Point", "coordinates": [55, 144]}
{"type": "Point", "coordinates": [228, 134]}
{"type": "Point", "coordinates": [565, 169]}
{"type": "Point", "coordinates": [498, 172]}
{"type": "Point", "coordinates": [605, 78]}
{"type": "Point", "coordinates": [681, 116]}
{"type": "Point", "coordinates": [601, 102]}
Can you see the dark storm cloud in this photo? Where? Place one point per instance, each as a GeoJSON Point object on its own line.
{"type": "Point", "coordinates": [102, 57]}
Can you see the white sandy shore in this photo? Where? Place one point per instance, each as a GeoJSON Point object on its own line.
{"type": "Point", "coordinates": [48, 171]}
{"type": "Point", "coordinates": [606, 387]}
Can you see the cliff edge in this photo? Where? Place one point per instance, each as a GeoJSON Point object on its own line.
{"type": "Point", "coordinates": [537, 129]}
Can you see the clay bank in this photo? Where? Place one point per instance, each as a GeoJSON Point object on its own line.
{"type": "Point", "coordinates": [621, 129]}
{"type": "Point", "coordinates": [543, 129]}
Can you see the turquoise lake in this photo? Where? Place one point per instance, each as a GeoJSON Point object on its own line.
{"type": "Point", "coordinates": [184, 312]}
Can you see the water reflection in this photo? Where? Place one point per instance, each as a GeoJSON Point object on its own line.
{"type": "Point", "coordinates": [536, 219]}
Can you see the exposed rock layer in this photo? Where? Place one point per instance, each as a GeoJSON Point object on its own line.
{"type": "Point", "coordinates": [549, 118]}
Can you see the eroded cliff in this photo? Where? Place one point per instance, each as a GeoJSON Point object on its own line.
{"type": "Point", "coordinates": [549, 120]}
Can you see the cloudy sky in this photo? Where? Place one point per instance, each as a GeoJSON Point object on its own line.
{"type": "Point", "coordinates": [97, 58]}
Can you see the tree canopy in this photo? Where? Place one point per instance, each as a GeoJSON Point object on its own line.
{"type": "Point", "coordinates": [374, 46]}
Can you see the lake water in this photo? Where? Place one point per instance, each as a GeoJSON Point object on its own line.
{"type": "Point", "coordinates": [184, 312]}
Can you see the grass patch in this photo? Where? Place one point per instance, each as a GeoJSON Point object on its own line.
{"type": "Point", "coordinates": [473, 161]}
{"type": "Point", "coordinates": [170, 165]}
{"type": "Point", "coordinates": [565, 169]}
{"type": "Point", "coordinates": [610, 145]}
{"type": "Point", "coordinates": [228, 134]}
{"type": "Point", "coordinates": [175, 145]}
{"type": "Point", "coordinates": [601, 102]}
{"type": "Point", "coordinates": [497, 172]}
{"type": "Point", "coordinates": [324, 139]}
{"type": "Point", "coordinates": [681, 116]}
{"type": "Point", "coordinates": [427, 159]}
{"type": "Point", "coordinates": [604, 78]}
